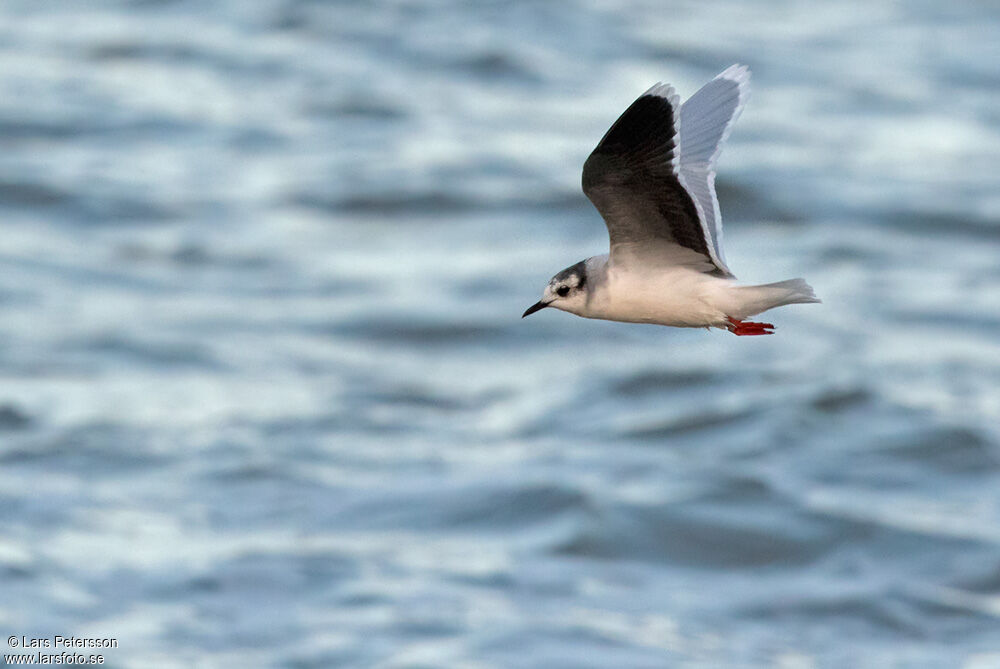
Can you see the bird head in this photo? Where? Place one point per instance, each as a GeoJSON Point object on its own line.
{"type": "Point", "coordinates": [567, 290]}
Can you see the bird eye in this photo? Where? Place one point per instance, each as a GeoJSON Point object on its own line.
{"type": "Point", "coordinates": [562, 291]}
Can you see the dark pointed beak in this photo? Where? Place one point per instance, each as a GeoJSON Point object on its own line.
{"type": "Point", "coordinates": [537, 306]}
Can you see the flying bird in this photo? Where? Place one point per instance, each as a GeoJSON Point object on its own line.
{"type": "Point", "coordinates": [652, 178]}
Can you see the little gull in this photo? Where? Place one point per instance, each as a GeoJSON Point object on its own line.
{"type": "Point", "coordinates": [652, 178]}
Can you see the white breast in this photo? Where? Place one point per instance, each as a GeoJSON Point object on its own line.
{"type": "Point", "coordinates": [676, 296]}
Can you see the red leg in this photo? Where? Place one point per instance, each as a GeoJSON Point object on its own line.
{"type": "Point", "coordinates": [748, 329]}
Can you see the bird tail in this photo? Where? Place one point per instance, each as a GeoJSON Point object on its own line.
{"type": "Point", "coordinates": [751, 300]}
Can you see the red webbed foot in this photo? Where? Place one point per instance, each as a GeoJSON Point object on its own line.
{"type": "Point", "coordinates": [748, 329]}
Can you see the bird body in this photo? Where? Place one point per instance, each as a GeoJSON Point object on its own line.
{"type": "Point", "coordinates": [673, 295]}
{"type": "Point", "coordinates": [652, 178]}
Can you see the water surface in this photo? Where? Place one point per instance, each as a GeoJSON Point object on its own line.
{"type": "Point", "coordinates": [266, 399]}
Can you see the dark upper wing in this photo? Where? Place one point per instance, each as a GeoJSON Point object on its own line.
{"type": "Point", "coordinates": [632, 179]}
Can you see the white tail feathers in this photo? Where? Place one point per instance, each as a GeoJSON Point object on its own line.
{"type": "Point", "coordinates": [753, 300]}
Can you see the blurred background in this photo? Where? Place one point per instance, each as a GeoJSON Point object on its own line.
{"type": "Point", "coordinates": [265, 394]}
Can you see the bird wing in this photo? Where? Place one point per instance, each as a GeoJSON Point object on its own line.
{"type": "Point", "coordinates": [635, 179]}
{"type": "Point", "coordinates": [707, 117]}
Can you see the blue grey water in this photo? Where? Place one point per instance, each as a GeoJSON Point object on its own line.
{"type": "Point", "coordinates": [266, 398]}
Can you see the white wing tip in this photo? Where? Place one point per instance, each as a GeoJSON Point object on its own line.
{"type": "Point", "coordinates": [740, 75]}
{"type": "Point", "coordinates": [665, 91]}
